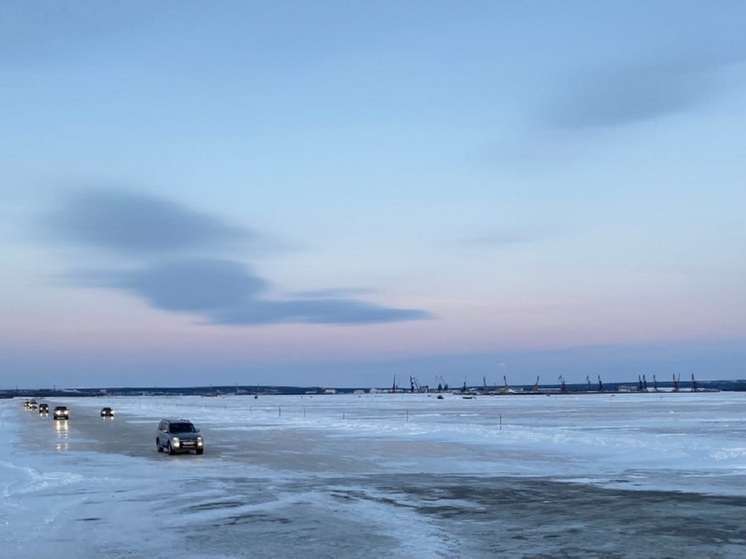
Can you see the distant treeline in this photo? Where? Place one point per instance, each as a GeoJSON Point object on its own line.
{"type": "Point", "coordinates": [212, 391]}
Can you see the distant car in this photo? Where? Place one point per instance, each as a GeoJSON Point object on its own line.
{"type": "Point", "coordinates": [178, 436]}
{"type": "Point", "coordinates": [27, 404]}
{"type": "Point", "coordinates": [32, 405]}
{"type": "Point", "coordinates": [61, 412]}
{"type": "Point", "coordinates": [43, 408]}
{"type": "Point", "coordinates": [107, 412]}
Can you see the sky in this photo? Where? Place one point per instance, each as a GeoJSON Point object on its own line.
{"type": "Point", "coordinates": [340, 193]}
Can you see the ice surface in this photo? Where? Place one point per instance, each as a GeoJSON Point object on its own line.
{"type": "Point", "coordinates": [604, 475]}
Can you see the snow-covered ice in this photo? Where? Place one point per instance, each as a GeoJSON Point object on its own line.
{"type": "Point", "coordinates": [404, 475]}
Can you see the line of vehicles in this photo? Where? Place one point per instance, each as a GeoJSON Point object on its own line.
{"type": "Point", "coordinates": [59, 413]}
{"type": "Point", "coordinates": [173, 436]}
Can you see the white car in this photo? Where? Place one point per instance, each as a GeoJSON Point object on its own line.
{"type": "Point", "coordinates": [61, 412]}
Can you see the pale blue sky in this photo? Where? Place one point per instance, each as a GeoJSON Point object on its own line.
{"type": "Point", "coordinates": [334, 193]}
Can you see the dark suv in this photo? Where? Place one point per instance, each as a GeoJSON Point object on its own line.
{"type": "Point", "coordinates": [178, 435]}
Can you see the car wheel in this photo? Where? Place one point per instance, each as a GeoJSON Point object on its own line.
{"type": "Point", "coordinates": [158, 446]}
{"type": "Point", "coordinates": [170, 449]}
{"type": "Point", "coordinates": [200, 450]}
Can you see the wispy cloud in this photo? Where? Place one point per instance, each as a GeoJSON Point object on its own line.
{"type": "Point", "coordinates": [175, 270]}
{"type": "Point", "coordinates": [333, 292]}
{"type": "Point", "coordinates": [620, 94]}
{"type": "Point", "coordinates": [498, 239]}
{"type": "Point", "coordinates": [316, 311]}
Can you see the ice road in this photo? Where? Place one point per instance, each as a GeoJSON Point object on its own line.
{"type": "Point", "coordinates": [638, 476]}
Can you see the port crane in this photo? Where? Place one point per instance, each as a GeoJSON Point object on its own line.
{"type": "Point", "coordinates": [535, 388]}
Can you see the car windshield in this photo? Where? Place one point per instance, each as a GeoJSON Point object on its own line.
{"type": "Point", "coordinates": [182, 428]}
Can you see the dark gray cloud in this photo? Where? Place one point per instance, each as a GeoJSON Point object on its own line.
{"type": "Point", "coordinates": [200, 284]}
{"type": "Point", "coordinates": [129, 223]}
{"type": "Point", "coordinates": [172, 250]}
{"type": "Point", "coordinates": [621, 94]}
{"type": "Point", "coordinates": [226, 292]}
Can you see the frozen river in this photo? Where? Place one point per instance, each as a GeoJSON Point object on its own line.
{"type": "Point", "coordinates": [636, 476]}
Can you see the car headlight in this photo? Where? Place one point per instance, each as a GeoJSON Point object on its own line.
{"type": "Point", "coordinates": [176, 441]}
{"type": "Point", "coordinates": [199, 441]}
